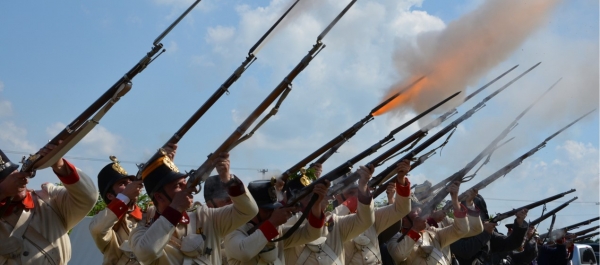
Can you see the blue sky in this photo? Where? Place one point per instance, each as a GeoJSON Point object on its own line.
{"type": "Point", "coordinates": [58, 57]}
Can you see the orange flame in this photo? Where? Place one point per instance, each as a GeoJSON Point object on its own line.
{"type": "Point", "coordinates": [459, 55]}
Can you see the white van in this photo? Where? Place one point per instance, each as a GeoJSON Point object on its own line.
{"type": "Point", "coordinates": [583, 254]}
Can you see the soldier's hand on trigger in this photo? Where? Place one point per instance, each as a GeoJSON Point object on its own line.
{"type": "Point", "coordinates": [182, 200]}
{"type": "Point", "coordinates": [171, 150]}
{"type": "Point", "coordinates": [321, 191]}
{"type": "Point", "coordinates": [471, 194]}
{"type": "Point", "coordinates": [222, 166]}
{"type": "Point", "coordinates": [489, 227]}
{"type": "Point", "coordinates": [59, 166]}
{"type": "Point", "coordinates": [453, 189]}
{"type": "Point", "coordinates": [133, 189]}
{"type": "Point", "coordinates": [281, 215]}
{"type": "Point", "coordinates": [318, 169]}
{"type": "Point", "coordinates": [365, 174]}
{"type": "Point", "coordinates": [521, 215]}
{"type": "Point", "coordinates": [403, 168]}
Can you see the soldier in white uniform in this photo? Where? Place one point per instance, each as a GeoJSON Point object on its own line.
{"type": "Point", "coordinates": [174, 236]}
{"type": "Point", "coordinates": [112, 226]}
{"type": "Point", "coordinates": [256, 247]}
{"type": "Point", "coordinates": [34, 224]}
{"type": "Point", "coordinates": [329, 249]}
{"type": "Point", "coordinates": [417, 244]}
{"type": "Point", "coordinates": [364, 249]}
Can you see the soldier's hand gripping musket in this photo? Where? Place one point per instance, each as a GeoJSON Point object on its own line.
{"type": "Point", "coordinates": [281, 91]}
{"type": "Point", "coordinates": [83, 124]}
{"type": "Point", "coordinates": [224, 88]}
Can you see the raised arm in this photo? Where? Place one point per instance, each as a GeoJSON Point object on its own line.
{"type": "Point", "coordinates": [103, 222]}
{"type": "Point", "coordinates": [390, 214]}
{"type": "Point", "coordinates": [460, 227]}
{"type": "Point", "coordinates": [353, 225]}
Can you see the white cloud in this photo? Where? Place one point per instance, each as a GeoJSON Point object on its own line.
{"type": "Point", "coordinates": [5, 108]}
{"type": "Point", "coordinates": [13, 136]}
{"type": "Point", "coordinates": [99, 141]}
{"type": "Point", "coordinates": [172, 47]}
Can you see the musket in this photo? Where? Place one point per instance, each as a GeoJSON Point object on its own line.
{"type": "Point", "coordinates": [488, 151]}
{"type": "Point", "coordinates": [396, 149]}
{"type": "Point", "coordinates": [551, 226]}
{"type": "Point", "coordinates": [501, 216]}
{"type": "Point", "coordinates": [328, 149]}
{"type": "Point", "coordinates": [571, 227]}
{"type": "Point", "coordinates": [545, 216]}
{"type": "Point", "coordinates": [550, 213]}
{"type": "Point", "coordinates": [391, 170]}
{"type": "Point", "coordinates": [581, 238]}
{"type": "Point", "coordinates": [460, 175]}
{"type": "Point", "coordinates": [585, 231]}
{"type": "Point", "coordinates": [224, 88]}
{"type": "Point", "coordinates": [201, 174]}
{"type": "Point", "coordinates": [515, 163]}
{"type": "Point", "coordinates": [82, 125]}
{"type": "Point", "coordinates": [344, 169]}
{"type": "Point", "coordinates": [347, 166]}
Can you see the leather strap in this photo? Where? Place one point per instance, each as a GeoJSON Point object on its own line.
{"type": "Point", "coordinates": [38, 240]}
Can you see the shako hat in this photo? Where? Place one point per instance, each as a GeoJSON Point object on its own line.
{"type": "Point", "coordinates": [160, 172]}
{"type": "Point", "coordinates": [214, 188]}
{"type": "Point", "coordinates": [109, 175]}
{"type": "Point", "coordinates": [296, 184]}
{"type": "Point", "coordinates": [6, 167]}
{"type": "Point", "coordinates": [264, 193]}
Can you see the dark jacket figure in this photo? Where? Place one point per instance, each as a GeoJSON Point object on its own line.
{"type": "Point", "coordinates": [553, 255]}
{"type": "Point", "coordinates": [529, 253]}
{"type": "Point", "coordinates": [479, 249]}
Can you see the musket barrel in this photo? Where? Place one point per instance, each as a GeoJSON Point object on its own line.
{"type": "Point", "coordinates": [502, 216]}
{"type": "Point", "coordinates": [390, 170]}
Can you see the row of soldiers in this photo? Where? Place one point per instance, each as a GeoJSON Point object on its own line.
{"type": "Point", "coordinates": [240, 224]}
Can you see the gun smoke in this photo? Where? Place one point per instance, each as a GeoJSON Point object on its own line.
{"type": "Point", "coordinates": [458, 56]}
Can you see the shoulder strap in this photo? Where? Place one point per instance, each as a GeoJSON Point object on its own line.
{"type": "Point", "coordinates": [39, 241]}
{"type": "Point", "coordinates": [331, 254]}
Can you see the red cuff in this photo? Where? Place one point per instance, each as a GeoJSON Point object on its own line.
{"type": "Point", "coordinates": [71, 178]}
{"type": "Point", "coordinates": [352, 204]}
{"type": "Point", "coordinates": [316, 222]}
{"type": "Point", "coordinates": [365, 198]}
{"type": "Point", "coordinates": [118, 207]}
{"type": "Point", "coordinates": [237, 188]}
{"type": "Point", "coordinates": [473, 213]}
{"type": "Point", "coordinates": [462, 213]}
{"type": "Point", "coordinates": [403, 191]}
{"type": "Point", "coordinates": [172, 215]}
{"type": "Point", "coordinates": [414, 235]}
{"type": "Point", "coordinates": [269, 230]}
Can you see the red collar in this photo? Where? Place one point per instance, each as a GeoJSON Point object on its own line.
{"type": "Point", "coordinates": [26, 203]}
{"type": "Point", "coordinates": [136, 213]}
